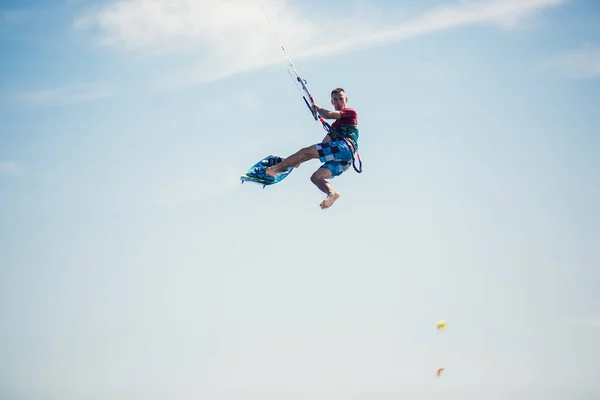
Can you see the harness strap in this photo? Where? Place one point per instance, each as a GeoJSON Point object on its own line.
{"type": "Point", "coordinates": [354, 152]}
{"type": "Point", "coordinates": [355, 155]}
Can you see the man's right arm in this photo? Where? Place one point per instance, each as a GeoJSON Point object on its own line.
{"type": "Point", "coordinates": [326, 113]}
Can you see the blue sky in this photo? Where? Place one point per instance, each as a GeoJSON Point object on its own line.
{"type": "Point", "coordinates": [134, 265]}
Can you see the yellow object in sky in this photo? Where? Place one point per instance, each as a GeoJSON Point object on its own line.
{"type": "Point", "coordinates": [441, 325]}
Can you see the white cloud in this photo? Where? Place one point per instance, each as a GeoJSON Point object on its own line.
{"type": "Point", "coordinates": [232, 36]}
{"type": "Point", "coordinates": [8, 168]}
{"type": "Point", "coordinates": [70, 94]}
{"type": "Point", "coordinates": [503, 13]}
{"type": "Point", "coordinates": [580, 63]}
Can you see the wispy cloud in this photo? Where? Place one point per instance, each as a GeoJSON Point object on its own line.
{"type": "Point", "coordinates": [504, 13]}
{"type": "Point", "coordinates": [579, 63]}
{"type": "Point", "coordinates": [232, 36]}
{"type": "Point", "coordinates": [8, 168]}
{"type": "Point", "coordinates": [65, 95]}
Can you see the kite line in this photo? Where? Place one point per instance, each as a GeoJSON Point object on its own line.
{"type": "Point", "coordinates": [310, 102]}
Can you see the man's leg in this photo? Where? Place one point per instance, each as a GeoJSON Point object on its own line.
{"type": "Point", "coordinates": [305, 154]}
{"type": "Point", "coordinates": [319, 179]}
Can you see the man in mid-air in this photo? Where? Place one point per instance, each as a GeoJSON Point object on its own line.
{"type": "Point", "coordinates": [335, 151]}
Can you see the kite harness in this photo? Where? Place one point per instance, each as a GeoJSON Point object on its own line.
{"type": "Point", "coordinates": [310, 102]}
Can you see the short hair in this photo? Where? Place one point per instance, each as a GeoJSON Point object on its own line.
{"type": "Point", "coordinates": [338, 90]}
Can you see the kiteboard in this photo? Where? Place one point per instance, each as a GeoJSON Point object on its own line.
{"type": "Point", "coordinates": [251, 176]}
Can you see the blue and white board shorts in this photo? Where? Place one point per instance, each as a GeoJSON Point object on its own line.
{"type": "Point", "coordinates": [336, 156]}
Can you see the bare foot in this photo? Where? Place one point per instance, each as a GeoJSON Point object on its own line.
{"type": "Point", "coordinates": [269, 171]}
{"type": "Point", "coordinates": [329, 200]}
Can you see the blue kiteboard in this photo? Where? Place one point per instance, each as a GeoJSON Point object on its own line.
{"type": "Point", "coordinates": [251, 176]}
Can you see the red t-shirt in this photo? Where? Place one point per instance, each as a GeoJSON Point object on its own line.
{"type": "Point", "coordinates": [349, 117]}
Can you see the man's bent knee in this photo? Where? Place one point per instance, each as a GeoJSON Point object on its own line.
{"type": "Point", "coordinates": [320, 175]}
{"type": "Point", "coordinates": [315, 178]}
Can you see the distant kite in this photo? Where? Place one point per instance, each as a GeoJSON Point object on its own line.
{"type": "Point", "coordinates": [441, 325]}
{"type": "Point", "coordinates": [439, 371]}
